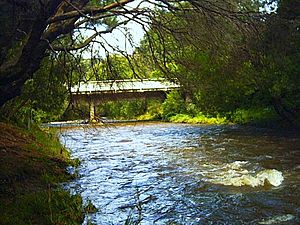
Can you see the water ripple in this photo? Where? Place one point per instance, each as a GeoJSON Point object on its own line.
{"type": "Point", "coordinates": [160, 173]}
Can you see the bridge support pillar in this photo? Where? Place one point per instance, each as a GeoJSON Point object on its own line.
{"type": "Point", "coordinates": [92, 112]}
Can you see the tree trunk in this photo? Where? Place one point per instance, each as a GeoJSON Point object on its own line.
{"type": "Point", "coordinates": [14, 76]}
{"type": "Point", "coordinates": [40, 34]}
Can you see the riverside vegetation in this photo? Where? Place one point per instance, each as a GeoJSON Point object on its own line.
{"type": "Point", "coordinates": [237, 63]}
{"type": "Point", "coordinates": [177, 110]}
{"type": "Point", "coordinates": [32, 166]}
{"type": "Point", "coordinates": [243, 68]}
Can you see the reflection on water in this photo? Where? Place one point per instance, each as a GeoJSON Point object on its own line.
{"type": "Point", "coordinates": [159, 173]}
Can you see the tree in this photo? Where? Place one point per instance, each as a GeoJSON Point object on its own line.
{"type": "Point", "coordinates": [114, 67]}
{"type": "Point", "coordinates": [208, 62]}
{"type": "Point", "coordinates": [276, 59]}
{"type": "Point", "coordinates": [35, 28]}
{"type": "Point", "coordinates": [226, 66]}
{"type": "Point", "coordinates": [45, 96]}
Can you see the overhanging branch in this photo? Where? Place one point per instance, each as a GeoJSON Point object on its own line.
{"type": "Point", "coordinates": [88, 40]}
{"type": "Point", "coordinates": [87, 11]}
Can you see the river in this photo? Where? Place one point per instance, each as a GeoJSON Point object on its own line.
{"type": "Point", "coordinates": [164, 173]}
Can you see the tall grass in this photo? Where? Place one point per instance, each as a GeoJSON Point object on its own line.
{"type": "Point", "coordinates": [44, 207]}
{"type": "Point", "coordinates": [31, 170]}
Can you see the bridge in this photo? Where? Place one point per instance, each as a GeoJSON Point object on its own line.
{"type": "Point", "coordinates": [96, 92]}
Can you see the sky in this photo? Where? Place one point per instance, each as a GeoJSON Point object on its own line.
{"type": "Point", "coordinates": [118, 37]}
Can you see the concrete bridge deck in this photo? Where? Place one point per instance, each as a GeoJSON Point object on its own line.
{"type": "Point", "coordinates": [95, 92]}
{"type": "Point", "coordinates": [128, 85]}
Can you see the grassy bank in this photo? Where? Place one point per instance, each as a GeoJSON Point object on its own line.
{"type": "Point", "coordinates": [258, 117]}
{"type": "Point", "coordinates": [32, 164]}
{"type": "Point", "coordinates": [199, 119]}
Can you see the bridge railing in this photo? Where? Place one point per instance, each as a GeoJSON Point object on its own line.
{"type": "Point", "coordinates": [128, 85]}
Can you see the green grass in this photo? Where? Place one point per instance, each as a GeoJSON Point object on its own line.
{"type": "Point", "coordinates": [259, 117]}
{"type": "Point", "coordinates": [43, 207]}
{"type": "Point", "coordinates": [199, 119]}
{"type": "Point", "coordinates": [32, 165]}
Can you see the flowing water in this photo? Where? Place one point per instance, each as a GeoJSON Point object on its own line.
{"type": "Point", "coordinates": [162, 173]}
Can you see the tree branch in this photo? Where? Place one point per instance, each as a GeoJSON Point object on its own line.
{"type": "Point", "coordinates": [88, 40]}
{"type": "Point", "coordinates": [87, 11]}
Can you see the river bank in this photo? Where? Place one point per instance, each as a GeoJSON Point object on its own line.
{"type": "Point", "coordinates": [32, 167]}
{"type": "Point", "coordinates": [263, 118]}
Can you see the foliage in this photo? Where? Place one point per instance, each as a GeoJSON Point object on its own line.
{"type": "Point", "coordinates": [154, 111]}
{"type": "Point", "coordinates": [89, 207]}
{"type": "Point", "coordinates": [229, 56]}
{"type": "Point", "coordinates": [114, 67]}
{"type": "Point", "coordinates": [33, 30]}
{"type": "Point", "coordinates": [44, 96]}
{"type": "Point", "coordinates": [132, 109]}
{"type": "Point", "coordinates": [31, 169]}
{"type": "Point", "coordinates": [174, 104]}
{"type": "Point", "coordinates": [176, 109]}
{"type": "Point", "coordinates": [123, 109]}
{"type": "Point", "coordinates": [199, 119]}
{"type": "Point", "coordinates": [254, 116]}
{"type": "Point", "coordinates": [44, 207]}
{"type": "Point", "coordinates": [227, 67]}
{"type": "Point", "coordinates": [278, 63]}
{"type": "Point", "coordinates": [76, 112]}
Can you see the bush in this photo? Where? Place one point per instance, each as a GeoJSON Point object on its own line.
{"type": "Point", "coordinates": [248, 116]}
{"type": "Point", "coordinates": [199, 119]}
{"type": "Point", "coordinates": [174, 104]}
